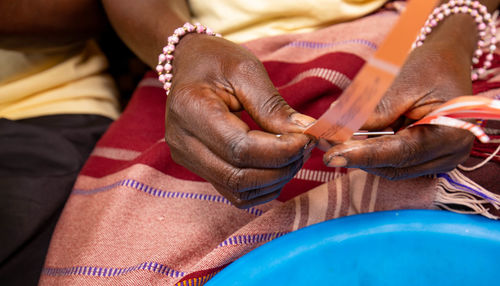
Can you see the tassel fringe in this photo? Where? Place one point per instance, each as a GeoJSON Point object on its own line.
{"type": "Point", "coordinates": [459, 194]}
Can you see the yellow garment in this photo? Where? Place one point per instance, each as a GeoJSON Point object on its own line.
{"type": "Point", "coordinates": [244, 20]}
{"type": "Point", "coordinates": [68, 80]}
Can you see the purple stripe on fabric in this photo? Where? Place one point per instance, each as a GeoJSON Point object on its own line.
{"type": "Point", "coordinates": [111, 271]}
{"type": "Point", "coordinates": [161, 193]}
{"type": "Point", "coordinates": [466, 188]}
{"type": "Point", "coordinates": [316, 45]}
{"type": "Point", "coordinates": [251, 238]}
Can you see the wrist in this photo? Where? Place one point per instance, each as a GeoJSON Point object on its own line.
{"type": "Point", "coordinates": [458, 32]}
{"type": "Point", "coordinates": [454, 31]}
{"type": "Point", "coordinates": [165, 59]}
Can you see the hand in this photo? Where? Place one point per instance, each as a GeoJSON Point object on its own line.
{"type": "Point", "coordinates": [433, 74]}
{"type": "Point", "coordinates": [215, 79]}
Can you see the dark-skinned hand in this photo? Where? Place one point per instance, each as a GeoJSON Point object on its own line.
{"type": "Point", "coordinates": [433, 74]}
{"type": "Point", "coordinates": [214, 79]}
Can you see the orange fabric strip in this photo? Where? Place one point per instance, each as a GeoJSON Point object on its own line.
{"type": "Point", "coordinates": [352, 109]}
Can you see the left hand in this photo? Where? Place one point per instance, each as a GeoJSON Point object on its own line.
{"type": "Point", "coordinates": [433, 74]}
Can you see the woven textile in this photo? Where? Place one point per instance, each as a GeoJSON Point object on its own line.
{"type": "Point", "coordinates": [137, 218]}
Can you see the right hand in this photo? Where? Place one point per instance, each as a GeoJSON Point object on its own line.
{"type": "Point", "coordinates": [213, 80]}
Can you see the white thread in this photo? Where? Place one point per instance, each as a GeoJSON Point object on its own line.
{"type": "Point", "coordinates": [472, 168]}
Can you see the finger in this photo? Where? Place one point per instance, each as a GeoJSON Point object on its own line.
{"type": "Point", "coordinates": [440, 165]}
{"type": "Point", "coordinates": [228, 180]}
{"type": "Point", "coordinates": [230, 138]}
{"type": "Point", "coordinates": [256, 193]}
{"type": "Point", "coordinates": [407, 148]}
{"type": "Point", "coordinates": [244, 204]}
{"type": "Point", "coordinates": [261, 100]}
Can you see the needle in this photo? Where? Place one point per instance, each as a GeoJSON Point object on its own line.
{"type": "Point", "coordinates": [374, 133]}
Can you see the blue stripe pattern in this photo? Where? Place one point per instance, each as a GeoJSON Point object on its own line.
{"type": "Point", "coordinates": [251, 238]}
{"type": "Point", "coordinates": [112, 271]}
{"type": "Point", "coordinates": [316, 45]}
{"type": "Point", "coordinates": [466, 188]}
{"type": "Point", "coordinates": [162, 193]}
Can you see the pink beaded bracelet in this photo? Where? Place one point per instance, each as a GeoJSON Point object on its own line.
{"type": "Point", "coordinates": [485, 25]}
{"type": "Point", "coordinates": [164, 67]}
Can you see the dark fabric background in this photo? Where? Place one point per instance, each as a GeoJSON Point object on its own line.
{"type": "Point", "coordinates": [39, 161]}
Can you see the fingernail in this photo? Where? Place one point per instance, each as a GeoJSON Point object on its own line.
{"type": "Point", "coordinates": [310, 144]}
{"type": "Point", "coordinates": [302, 120]}
{"type": "Point", "coordinates": [337, 161]}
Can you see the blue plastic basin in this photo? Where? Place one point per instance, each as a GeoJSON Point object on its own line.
{"type": "Point", "coordinates": [413, 247]}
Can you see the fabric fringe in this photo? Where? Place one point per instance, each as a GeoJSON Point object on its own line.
{"type": "Point", "coordinates": [459, 194]}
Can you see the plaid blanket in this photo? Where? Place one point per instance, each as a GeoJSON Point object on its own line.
{"type": "Point", "coordinates": [137, 218]}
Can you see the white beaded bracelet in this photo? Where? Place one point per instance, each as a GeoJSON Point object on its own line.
{"type": "Point", "coordinates": [164, 67]}
{"type": "Point", "coordinates": [485, 25]}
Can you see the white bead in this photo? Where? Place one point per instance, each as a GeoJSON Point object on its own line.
{"type": "Point", "coordinates": [162, 58]}
{"type": "Point", "coordinates": [180, 32]}
{"type": "Point", "coordinates": [167, 85]}
{"type": "Point", "coordinates": [174, 39]}
{"type": "Point", "coordinates": [161, 78]}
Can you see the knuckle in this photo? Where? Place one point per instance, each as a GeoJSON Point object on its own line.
{"type": "Point", "coordinates": [173, 139]}
{"type": "Point", "coordinates": [274, 104]}
{"type": "Point", "coordinates": [233, 197]}
{"type": "Point", "coordinates": [248, 66]}
{"type": "Point", "coordinates": [410, 152]}
{"type": "Point", "coordinates": [372, 159]}
{"type": "Point", "coordinates": [384, 107]}
{"type": "Point", "coordinates": [234, 180]}
{"type": "Point", "coordinates": [238, 151]}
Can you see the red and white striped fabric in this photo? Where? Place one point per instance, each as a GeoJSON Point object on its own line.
{"type": "Point", "coordinates": [135, 217]}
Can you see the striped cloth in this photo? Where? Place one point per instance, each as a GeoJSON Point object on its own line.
{"type": "Point", "coordinates": [135, 217]}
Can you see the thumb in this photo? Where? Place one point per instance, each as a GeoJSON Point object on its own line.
{"type": "Point", "coordinates": [266, 106]}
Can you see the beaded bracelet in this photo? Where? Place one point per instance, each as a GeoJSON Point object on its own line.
{"type": "Point", "coordinates": [485, 25]}
{"type": "Point", "coordinates": [164, 67]}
